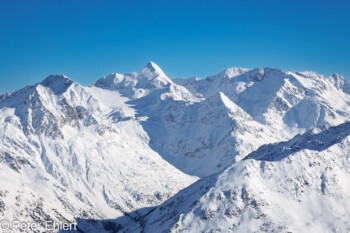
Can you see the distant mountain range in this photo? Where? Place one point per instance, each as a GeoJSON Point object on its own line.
{"type": "Point", "coordinates": [262, 150]}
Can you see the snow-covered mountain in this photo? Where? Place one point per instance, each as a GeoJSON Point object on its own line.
{"type": "Point", "coordinates": [69, 151]}
{"type": "Point", "coordinates": [281, 99]}
{"type": "Point", "coordinates": [198, 135]}
{"type": "Point", "coordinates": [301, 185]}
{"type": "Point", "coordinates": [201, 126]}
{"type": "Point", "coordinates": [129, 142]}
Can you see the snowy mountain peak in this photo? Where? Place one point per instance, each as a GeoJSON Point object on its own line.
{"type": "Point", "coordinates": [136, 84]}
{"type": "Point", "coordinates": [152, 67]}
{"type": "Point", "coordinates": [57, 83]}
{"type": "Point", "coordinates": [54, 78]}
{"type": "Point", "coordinates": [152, 71]}
{"type": "Point", "coordinates": [337, 76]}
{"type": "Point", "coordinates": [228, 74]}
{"type": "Point", "coordinates": [233, 72]}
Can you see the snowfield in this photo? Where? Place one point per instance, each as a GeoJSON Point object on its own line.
{"type": "Point", "coordinates": [302, 185]}
{"type": "Point", "coordinates": [246, 150]}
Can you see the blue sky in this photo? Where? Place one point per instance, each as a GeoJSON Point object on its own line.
{"type": "Point", "coordinates": [86, 40]}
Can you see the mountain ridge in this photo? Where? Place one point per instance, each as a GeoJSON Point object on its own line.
{"type": "Point", "coordinates": [252, 194]}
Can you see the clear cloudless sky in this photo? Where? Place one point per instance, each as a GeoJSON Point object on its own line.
{"type": "Point", "coordinates": [87, 39]}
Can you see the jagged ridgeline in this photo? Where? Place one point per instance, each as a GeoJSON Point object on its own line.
{"type": "Point", "coordinates": [111, 156]}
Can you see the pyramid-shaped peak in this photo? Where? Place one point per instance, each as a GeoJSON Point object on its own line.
{"type": "Point", "coordinates": [55, 78]}
{"type": "Point", "coordinates": [57, 83]}
{"type": "Point", "coordinates": [153, 67]}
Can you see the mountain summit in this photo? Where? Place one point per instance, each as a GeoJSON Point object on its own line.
{"type": "Point", "coordinates": [57, 83]}
{"type": "Point", "coordinates": [153, 67]}
{"type": "Point", "coordinates": [136, 84]}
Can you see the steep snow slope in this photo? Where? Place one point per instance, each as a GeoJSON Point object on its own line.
{"type": "Point", "coordinates": [200, 136]}
{"type": "Point", "coordinates": [69, 151]}
{"type": "Point", "coordinates": [204, 137]}
{"type": "Point", "coordinates": [301, 185]}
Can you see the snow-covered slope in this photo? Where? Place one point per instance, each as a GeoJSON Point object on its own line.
{"type": "Point", "coordinates": [200, 136]}
{"type": "Point", "coordinates": [201, 126]}
{"type": "Point", "coordinates": [282, 99]}
{"type": "Point", "coordinates": [69, 151]}
{"type": "Point", "coordinates": [204, 137]}
{"type": "Point", "coordinates": [136, 84]}
{"type": "Point", "coordinates": [302, 185]}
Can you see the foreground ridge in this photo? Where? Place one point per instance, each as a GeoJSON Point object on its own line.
{"type": "Point", "coordinates": [303, 187]}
